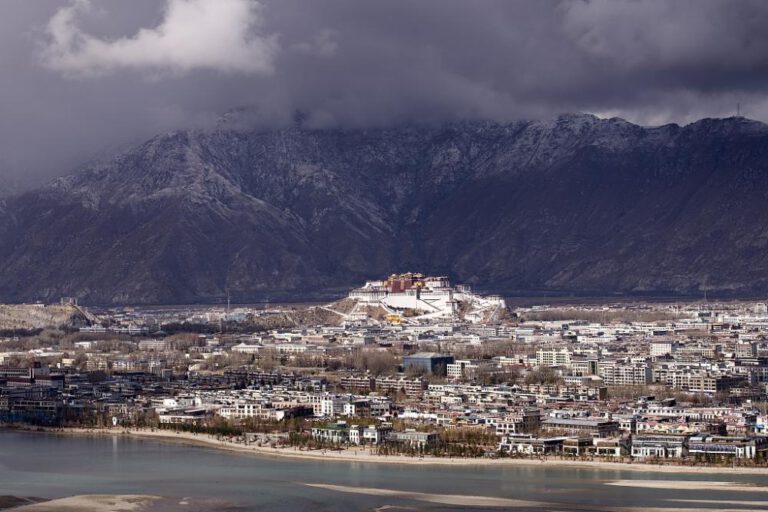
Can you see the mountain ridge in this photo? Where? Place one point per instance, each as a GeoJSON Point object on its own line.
{"type": "Point", "coordinates": [576, 203]}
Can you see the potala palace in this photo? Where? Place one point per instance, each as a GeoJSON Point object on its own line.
{"type": "Point", "coordinates": [413, 295]}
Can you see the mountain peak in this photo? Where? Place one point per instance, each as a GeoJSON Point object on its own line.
{"type": "Point", "coordinates": [577, 117]}
{"type": "Point", "coordinates": [729, 125]}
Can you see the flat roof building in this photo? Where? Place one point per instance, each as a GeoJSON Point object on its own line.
{"type": "Point", "coordinates": [430, 363]}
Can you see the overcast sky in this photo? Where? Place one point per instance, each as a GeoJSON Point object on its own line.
{"type": "Point", "coordinates": [82, 78]}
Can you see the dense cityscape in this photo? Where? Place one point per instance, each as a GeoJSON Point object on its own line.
{"type": "Point", "coordinates": [409, 366]}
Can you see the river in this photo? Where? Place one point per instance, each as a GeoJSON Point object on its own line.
{"type": "Point", "coordinates": [198, 479]}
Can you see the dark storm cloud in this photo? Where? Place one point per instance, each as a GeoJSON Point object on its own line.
{"type": "Point", "coordinates": [79, 77]}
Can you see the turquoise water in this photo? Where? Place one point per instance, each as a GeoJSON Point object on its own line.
{"type": "Point", "coordinates": [51, 466]}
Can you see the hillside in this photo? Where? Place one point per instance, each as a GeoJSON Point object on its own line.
{"type": "Point", "coordinates": [37, 316]}
{"type": "Point", "coordinates": [576, 205]}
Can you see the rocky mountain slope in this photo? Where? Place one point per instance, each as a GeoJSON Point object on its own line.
{"type": "Point", "coordinates": [577, 204]}
{"type": "Point", "coordinates": [36, 316]}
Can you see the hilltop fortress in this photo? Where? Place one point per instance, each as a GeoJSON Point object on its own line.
{"type": "Point", "coordinates": [415, 295]}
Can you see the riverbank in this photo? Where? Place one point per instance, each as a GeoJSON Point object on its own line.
{"type": "Point", "coordinates": [7, 502]}
{"type": "Point", "coordinates": [363, 455]}
{"type": "Point", "coordinates": [94, 503]}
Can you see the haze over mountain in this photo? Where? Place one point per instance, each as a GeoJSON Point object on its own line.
{"type": "Point", "coordinates": [577, 204]}
{"type": "Point", "coordinates": [80, 77]}
{"type": "Point", "coordinates": [6, 187]}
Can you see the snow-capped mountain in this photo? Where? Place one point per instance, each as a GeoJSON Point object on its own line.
{"type": "Point", "coordinates": [575, 204]}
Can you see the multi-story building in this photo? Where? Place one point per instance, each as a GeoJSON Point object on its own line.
{"type": "Point", "coordinates": [243, 410]}
{"type": "Point", "coordinates": [523, 422]}
{"type": "Point", "coordinates": [584, 367]}
{"type": "Point", "coordinates": [331, 406]}
{"type": "Point", "coordinates": [554, 356]}
{"type": "Point", "coordinates": [466, 369]}
{"type": "Point", "coordinates": [732, 447]}
{"type": "Point", "coordinates": [336, 433]}
{"type": "Point", "coordinates": [370, 434]}
{"type": "Point", "coordinates": [413, 438]}
{"type": "Point", "coordinates": [411, 387]}
{"type": "Point", "coordinates": [662, 348]}
{"type": "Point", "coordinates": [358, 384]}
{"type": "Point", "coordinates": [745, 350]}
{"type": "Point", "coordinates": [659, 446]}
{"type": "Point", "coordinates": [155, 345]}
{"type": "Point", "coordinates": [615, 374]}
{"type": "Point", "coordinates": [582, 426]}
{"type": "Point", "coordinates": [701, 382]}
{"type": "Point", "coordinates": [428, 363]}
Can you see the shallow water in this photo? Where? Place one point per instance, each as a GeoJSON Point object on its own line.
{"type": "Point", "coordinates": [51, 466]}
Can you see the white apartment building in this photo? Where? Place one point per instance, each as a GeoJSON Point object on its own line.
{"type": "Point", "coordinates": [615, 374]}
{"type": "Point", "coordinates": [554, 357]}
{"type": "Point", "coordinates": [463, 369]}
{"type": "Point", "coordinates": [662, 348]}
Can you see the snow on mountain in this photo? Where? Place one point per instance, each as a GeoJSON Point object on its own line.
{"type": "Point", "coordinates": [576, 203]}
